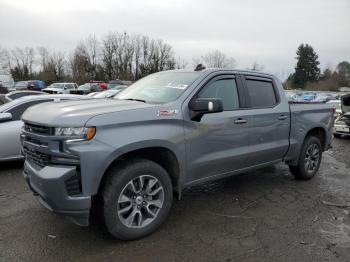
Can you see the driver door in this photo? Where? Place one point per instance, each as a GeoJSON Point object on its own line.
{"type": "Point", "coordinates": [219, 143]}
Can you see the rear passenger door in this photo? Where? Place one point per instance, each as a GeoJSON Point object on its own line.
{"type": "Point", "coordinates": [269, 139]}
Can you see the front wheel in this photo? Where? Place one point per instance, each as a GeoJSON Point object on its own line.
{"type": "Point", "coordinates": [309, 159]}
{"type": "Point", "coordinates": [336, 135]}
{"type": "Point", "coordinates": [137, 199]}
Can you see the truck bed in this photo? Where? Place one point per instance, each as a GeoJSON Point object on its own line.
{"type": "Point", "coordinates": [304, 116]}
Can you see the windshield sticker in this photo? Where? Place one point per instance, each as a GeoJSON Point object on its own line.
{"type": "Point", "coordinates": [176, 86]}
{"type": "Point", "coordinates": [171, 112]}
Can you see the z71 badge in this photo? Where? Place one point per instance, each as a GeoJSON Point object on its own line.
{"type": "Point", "coordinates": [171, 112]}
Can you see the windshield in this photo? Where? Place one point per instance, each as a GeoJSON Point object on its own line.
{"type": "Point", "coordinates": [160, 87]}
{"type": "Point", "coordinates": [84, 87]}
{"type": "Point", "coordinates": [60, 86]}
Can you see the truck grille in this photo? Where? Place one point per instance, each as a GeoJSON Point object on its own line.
{"type": "Point", "coordinates": [36, 129]}
{"type": "Point", "coordinates": [36, 157]}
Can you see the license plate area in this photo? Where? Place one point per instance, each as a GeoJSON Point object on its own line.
{"type": "Point", "coordinates": [342, 129]}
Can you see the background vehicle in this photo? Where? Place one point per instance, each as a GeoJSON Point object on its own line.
{"type": "Point", "coordinates": [308, 97]}
{"type": "Point", "coordinates": [337, 105]}
{"type": "Point", "coordinates": [11, 123]}
{"type": "Point", "coordinates": [345, 103]}
{"type": "Point", "coordinates": [165, 132]}
{"type": "Point", "coordinates": [342, 126]}
{"type": "Point", "coordinates": [36, 85]}
{"type": "Point", "coordinates": [60, 88]}
{"type": "Point", "coordinates": [115, 83]}
{"type": "Point", "coordinates": [3, 89]}
{"type": "Point", "coordinates": [5, 98]}
{"type": "Point", "coordinates": [108, 93]}
{"type": "Point", "coordinates": [87, 89]}
{"type": "Point", "coordinates": [6, 79]}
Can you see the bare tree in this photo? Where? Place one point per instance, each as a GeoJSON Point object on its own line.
{"type": "Point", "coordinates": [181, 63]}
{"type": "Point", "coordinates": [215, 59]}
{"type": "Point", "coordinates": [5, 59]}
{"type": "Point", "coordinates": [56, 65]}
{"type": "Point", "coordinates": [108, 52]}
{"type": "Point", "coordinates": [43, 57]}
{"type": "Point", "coordinates": [92, 48]}
{"type": "Point", "coordinates": [23, 59]}
{"type": "Point", "coordinates": [79, 64]}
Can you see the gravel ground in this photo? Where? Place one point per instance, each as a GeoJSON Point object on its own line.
{"type": "Point", "coordinates": [264, 215]}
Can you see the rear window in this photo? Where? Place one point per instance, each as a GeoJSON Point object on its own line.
{"type": "Point", "coordinates": [261, 93]}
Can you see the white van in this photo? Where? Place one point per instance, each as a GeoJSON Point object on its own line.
{"type": "Point", "coordinates": [6, 79]}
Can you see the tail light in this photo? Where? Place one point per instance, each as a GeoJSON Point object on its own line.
{"type": "Point", "coordinates": [334, 115]}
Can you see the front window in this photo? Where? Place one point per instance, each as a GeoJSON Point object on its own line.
{"type": "Point", "coordinates": [160, 87]}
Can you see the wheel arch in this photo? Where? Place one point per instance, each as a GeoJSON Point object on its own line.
{"type": "Point", "coordinates": [318, 132]}
{"type": "Point", "coordinates": [165, 156]}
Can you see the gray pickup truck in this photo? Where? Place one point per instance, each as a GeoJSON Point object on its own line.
{"type": "Point", "coordinates": [126, 157]}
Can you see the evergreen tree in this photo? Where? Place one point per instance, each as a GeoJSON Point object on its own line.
{"type": "Point", "coordinates": [343, 69]}
{"type": "Point", "coordinates": [307, 69]}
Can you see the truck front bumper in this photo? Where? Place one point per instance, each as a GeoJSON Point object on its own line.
{"type": "Point", "coordinates": [48, 184]}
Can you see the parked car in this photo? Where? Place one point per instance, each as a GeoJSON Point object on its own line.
{"type": "Point", "coordinates": [291, 96]}
{"type": "Point", "coordinates": [102, 84]}
{"type": "Point", "coordinates": [11, 123]}
{"type": "Point", "coordinates": [345, 103]}
{"type": "Point", "coordinates": [127, 156]}
{"type": "Point", "coordinates": [6, 79]}
{"type": "Point", "coordinates": [307, 97]}
{"type": "Point", "coordinates": [337, 105]}
{"type": "Point", "coordinates": [342, 126]}
{"type": "Point", "coordinates": [60, 88]}
{"type": "Point", "coordinates": [36, 85]}
{"type": "Point", "coordinates": [87, 89]}
{"type": "Point", "coordinates": [5, 98]}
{"type": "Point", "coordinates": [117, 82]}
{"type": "Point", "coordinates": [107, 93]}
{"type": "Point", "coordinates": [3, 89]}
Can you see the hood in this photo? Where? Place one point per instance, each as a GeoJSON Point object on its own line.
{"type": "Point", "coordinates": [76, 113]}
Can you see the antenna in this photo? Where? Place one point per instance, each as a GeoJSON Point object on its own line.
{"type": "Point", "coordinates": [199, 67]}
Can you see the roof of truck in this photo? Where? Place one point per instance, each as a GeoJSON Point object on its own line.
{"type": "Point", "coordinates": [212, 70]}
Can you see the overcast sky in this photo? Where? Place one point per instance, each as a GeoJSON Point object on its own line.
{"type": "Point", "coordinates": [267, 32]}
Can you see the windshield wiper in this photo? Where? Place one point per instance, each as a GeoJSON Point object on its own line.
{"type": "Point", "coordinates": [135, 99]}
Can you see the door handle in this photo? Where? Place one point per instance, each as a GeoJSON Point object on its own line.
{"type": "Point", "coordinates": [282, 117]}
{"type": "Point", "coordinates": [240, 121]}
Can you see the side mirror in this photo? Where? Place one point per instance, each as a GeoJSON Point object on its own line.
{"type": "Point", "coordinates": [5, 117]}
{"type": "Point", "coordinates": [65, 88]}
{"type": "Point", "coordinates": [206, 105]}
{"type": "Point", "coordinates": [201, 106]}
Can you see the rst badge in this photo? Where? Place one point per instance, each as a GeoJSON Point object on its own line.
{"type": "Point", "coordinates": [170, 112]}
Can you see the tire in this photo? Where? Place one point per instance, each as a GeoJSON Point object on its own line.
{"type": "Point", "coordinates": [309, 162]}
{"type": "Point", "coordinates": [336, 135]}
{"type": "Point", "coordinates": [127, 211]}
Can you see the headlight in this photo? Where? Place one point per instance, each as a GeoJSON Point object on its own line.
{"type": "Point", "coordinates": [86, 133]}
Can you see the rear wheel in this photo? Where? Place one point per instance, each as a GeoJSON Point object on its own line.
{"type": "Point", "coordinates": [137, 199]}
{"type": "Point", "coordinates": [309, 159]}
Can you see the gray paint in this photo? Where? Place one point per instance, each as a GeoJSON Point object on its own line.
{"type": "Point", "coordinates": [209, 149]}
